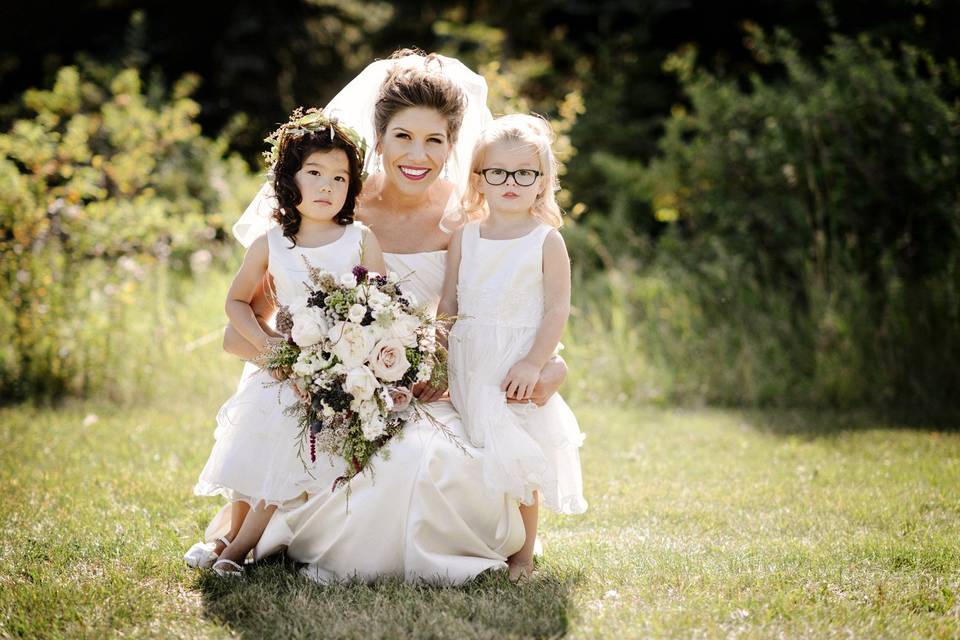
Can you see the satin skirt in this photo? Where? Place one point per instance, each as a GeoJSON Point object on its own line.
{"type": "Point", "coordinates": [423, 514]}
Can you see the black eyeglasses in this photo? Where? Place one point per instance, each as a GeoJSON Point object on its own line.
{"type": "Point", "coordinates": [496, 177]}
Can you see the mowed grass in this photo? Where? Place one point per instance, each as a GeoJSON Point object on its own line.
{"type": "Point", "coordinates": [702, 523]}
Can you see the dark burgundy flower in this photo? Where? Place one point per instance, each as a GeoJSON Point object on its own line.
{"type": "Point", "coordinates": [360, 273]}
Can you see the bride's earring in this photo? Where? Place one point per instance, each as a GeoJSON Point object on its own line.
{"type": "Point", "coordinates": [446, 170]}
{"type": "Point", "coordinates": [378, 164]}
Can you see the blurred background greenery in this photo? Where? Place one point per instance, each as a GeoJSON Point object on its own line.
{"type": "Point", "coordinates": [763, 197]}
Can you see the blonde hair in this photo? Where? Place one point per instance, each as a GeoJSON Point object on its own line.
{"type": "Point", "coordinates": [535, 131]}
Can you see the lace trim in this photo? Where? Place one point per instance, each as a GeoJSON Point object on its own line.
{"type": "Point", "coordinates": [511, 307]}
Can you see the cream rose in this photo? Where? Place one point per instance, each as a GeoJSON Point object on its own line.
{"type": "Point", "coordinates": [360, 383]}
{"type": "Point", "coordinates": [401, 397]}
{"type": "Point", "coordinates": [351, 343]}
{"type": "Point", "coordinates": [389, 360]}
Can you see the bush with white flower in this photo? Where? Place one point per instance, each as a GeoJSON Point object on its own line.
{"type": "Point", "coordinates": [355, 348]}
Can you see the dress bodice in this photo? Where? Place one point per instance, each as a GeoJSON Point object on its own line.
{"type": "Point", "coordinates": [288, 265]}
{"type": "Point", "coordinates": [422, 274]}
{"type": "Point", "coordinates": [501, 281]}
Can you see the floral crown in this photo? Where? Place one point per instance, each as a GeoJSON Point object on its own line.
{"type": "Point", "coordinates": [313, 121]}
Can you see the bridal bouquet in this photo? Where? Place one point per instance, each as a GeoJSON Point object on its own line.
{"type": "Point", "coordinates": [354, 348]}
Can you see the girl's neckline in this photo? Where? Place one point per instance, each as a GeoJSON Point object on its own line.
{"type": "Point", "coordinates": [332, 242]}
{"type": "Point", "coordinates": [506, 239]}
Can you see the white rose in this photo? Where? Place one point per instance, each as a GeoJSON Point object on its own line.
{"type": "Point", "coordinates": [348, 280]}
{"type": "Point", "coordinates": [305, 365]}
{"type": "Point", "coordinates": [393, 277]}
{"type": "Point", "coordinates": [404, 328]}
{"type": "Point", "coordinates": [360, 383]}
{"type": "Point", "coordinates": [374, 427]}
{"type": "Point", "coordinates": [351, 343]}
{"type": "Point", "coordinates": [357, 313]}
{"type": "Point", "coordinates": [309, 325]}
{"type": "Point", "coordinates": [389, 360]}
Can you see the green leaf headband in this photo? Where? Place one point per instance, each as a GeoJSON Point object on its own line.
{"type": "Point", "coordinates": [313, 121]}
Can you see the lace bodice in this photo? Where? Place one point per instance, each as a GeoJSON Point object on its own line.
{"type": "Point", "coordinates": [501, 281]}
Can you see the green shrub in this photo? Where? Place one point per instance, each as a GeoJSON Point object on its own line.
{"type": "Point", "coordinates": [813, 223]}
{"type": "Point", "coordinates": [98, 188]}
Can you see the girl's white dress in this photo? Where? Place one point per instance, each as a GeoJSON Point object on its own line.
{"type": "Point", "coordinates": [500, 303]}
{"type": "Point", "coordinates": [257, 457]}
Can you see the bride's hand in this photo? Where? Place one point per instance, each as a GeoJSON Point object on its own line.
{"type": "Point", "coordinates": [425, 392]}
{"type": "Point", "coordinates": [280, 374]}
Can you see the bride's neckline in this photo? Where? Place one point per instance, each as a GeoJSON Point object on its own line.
{"type": "Point", "coordinates": [413, 253]}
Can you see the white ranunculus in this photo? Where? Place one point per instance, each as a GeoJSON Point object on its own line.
{"type": "Point", "coordinates": [357, 313]}
{"type": "Point", "coordinates": [423, 372]}
{"type": "Point", "coordinates": [351, 343]}
{"type": "Point", "coordinates": [378, 300]}
{"type": "Point", "coordinates": [374, 427]}
{"type": "Point", "coordinates": [388, 361]}
{"type": "Point", "coordinates": [348, 280]}
{"type": "Point", "coordinates": [360, 383]}
{"type": "Point", "coordinates": [309, 325]}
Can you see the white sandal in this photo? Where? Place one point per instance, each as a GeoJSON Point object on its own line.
{"type": "Point", "coordinates": [235, 572]}
{"type": "Point", "coordinates": [202, 554]}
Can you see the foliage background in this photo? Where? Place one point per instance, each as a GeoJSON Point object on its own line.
{"type": "Point", "coordinates": [763, 196]}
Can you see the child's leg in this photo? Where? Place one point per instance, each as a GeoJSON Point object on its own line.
{"type": "Point", "coordinates": [238, 511]}
{"type": "Point", "coordinates": [521, 563]}
{"type": "Point", "coordinates": [249, 534]}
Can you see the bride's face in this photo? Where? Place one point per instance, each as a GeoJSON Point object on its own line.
{"type": "Point", "coordinates": [414, 148]}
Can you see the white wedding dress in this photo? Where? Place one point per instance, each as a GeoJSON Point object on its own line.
{"type": "Point", "coordinates": [423, 514]}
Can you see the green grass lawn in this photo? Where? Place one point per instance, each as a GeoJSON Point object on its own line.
{"type": "Point", "coordinates": [701, 524]}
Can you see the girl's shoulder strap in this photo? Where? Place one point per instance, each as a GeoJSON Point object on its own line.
{"type": "Point", "coordinates": [539, 235]}
{"type": "Point", "coordinates": [469, 234]}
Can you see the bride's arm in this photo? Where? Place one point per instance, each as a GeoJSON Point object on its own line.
{"type": "Point", "coordinates": [446, 309]}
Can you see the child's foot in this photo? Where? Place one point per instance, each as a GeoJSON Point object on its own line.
{"type": "Point", "coordinates": [203, 554]}
{"type": "Point", "coordinates": [520, 570]}
{"type": "Point", "coordinates": [227, 568]}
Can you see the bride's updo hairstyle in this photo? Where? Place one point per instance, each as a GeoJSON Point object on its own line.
{"type": "Point", "coordinates": [531, 130]}
{"type": "Point", "coordinates": [419, 82]}
{"type": "Point", "coordinates": [292, 148]}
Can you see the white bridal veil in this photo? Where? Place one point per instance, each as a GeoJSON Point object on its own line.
{"type": "Point", "coordinates": [354, 106]}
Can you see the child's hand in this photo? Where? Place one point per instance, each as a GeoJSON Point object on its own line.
{"type": "Point", "coordinates": [520, 380]}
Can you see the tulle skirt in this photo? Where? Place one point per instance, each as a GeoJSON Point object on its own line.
{"type": "Point", "coordinates": [257, 455]}
{"type": "Point", "coordinates": [524, 448]}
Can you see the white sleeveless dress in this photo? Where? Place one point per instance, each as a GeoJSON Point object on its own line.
{"type": "Point", "coordinates": [500, 304]}
{"type": "Point", "coordinates": [255, 454]}
{"type": "Point", "coordinates": [423, 514]}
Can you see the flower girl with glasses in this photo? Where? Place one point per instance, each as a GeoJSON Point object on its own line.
{"type": "Point", "coordinates": [508, 284]}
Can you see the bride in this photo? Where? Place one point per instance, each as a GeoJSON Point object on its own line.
{"type": "Point", "coordinates": [424, 513]}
